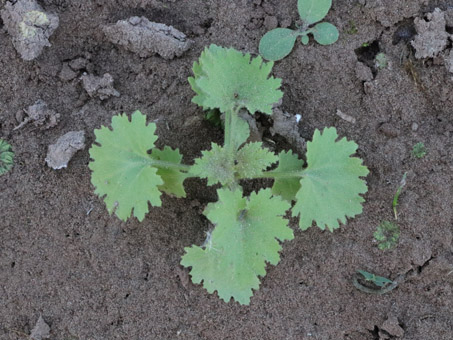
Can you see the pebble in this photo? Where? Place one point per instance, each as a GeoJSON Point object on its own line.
{"type": "Point", "coordinates": [414, 127]}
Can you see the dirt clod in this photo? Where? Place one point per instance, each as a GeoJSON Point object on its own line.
{"type": "Point", "coordinates": [391, 326]}
{"type": "Point", "coordinates": [100, 87]}
{"type": "Point", "coordinates": [286, 125]}
{"type": "Point", "coordinates": [146, 38]}
{"type": "Point", "coordinates": [41, 115]}
{"type": "Point", "coordinates": [60, 153]}
{"type": "Point", "coordinates": [432, 37]}
{"type": "Point", "coordinates": [29, 26]}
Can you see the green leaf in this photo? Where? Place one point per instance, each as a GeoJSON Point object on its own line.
{"type": "Point", "coordinates": [253, 159]}
{"type": "Point", "coordinates": [387, 234]}
{"type": "Point", "coordinates": [331, 183]}
{"type": "Point", "coordinates": [287, 187]}
{"type": "Point", "coordinates": [241, 132]}
{"type": "Point", "coordinates": [6, 157]}
{"type": "Point", "coordinates": [173, 179]}
{"type": "Point", "coordinates": [244, 239]}
{"type": "Point", "coordinates": [226, 79]}
{"type": "Point", "coordinates": [277, 44]}
{"type": "Point", "coordinates": [325, 33]}
{"type": "Point", "coordinates": [379, 281]}
{"type": "Point", "coordinates": [122, 170]}
{"type": "Point", "coordinates": [312, 11]}
{"type": "Point", "coordinates": [304, 39]}
{"type": "Point", "coordinates": [216, 165]}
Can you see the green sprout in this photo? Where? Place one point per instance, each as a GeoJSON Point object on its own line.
{"type": "Point", "coordinates": [6, 157]}
{"type": "Point", "coordinates": [381, 284]}
{"type": "Point", "coordinates": [397, 195]}
{"type": "Point", "coordinates": [129, 171]}
{"type": "Point", "coordinates": [387, 235]}
{"type": "Point", "coordinates": [278, 43]}
{"type": "Point", "coordinates": [380, 61]}
{"type": "Point", "coordinates": [419, 150]}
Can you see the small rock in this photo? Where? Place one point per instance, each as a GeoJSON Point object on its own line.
{"type": "Point", "coordinates": [78, 64]}
{"type": "Point", "coordinates": [146, 38]}
{"type": "Point", "coordinates": [29, 26]}
{"type": "Point", "coordinates": [432, 37]}
{"type": "Point", "coordinates": [363, 72]}
{"type": "Point", "coordinates": [101, 87]}
{"type": "Point", "coordinates": [391, 326]}
{"type": "Point", "coordinates": [60, 153]}
{"type": "Point", "coordinates": [41, 116]}
{"type": "Point", "coordinates": [40, 331]}
{"type": "Point", "coordinates": [66, 73]}
{"type": "Point", "coordinates": [414, 127]}
{"type": "Point", "coordinates": [345, 117]}
{"type": "Point", "coordinates": [389, 130]}
{"type": "Point", "coordinates": [270, 22]}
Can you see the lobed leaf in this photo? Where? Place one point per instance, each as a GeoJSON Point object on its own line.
{"type": "Point", "coordinates": [312, 11]}
{"type": "Point", "coordinates": [244, 239]}
{"type": "Point", "coordinates": [173, 179]}
{"type": "Point", "coordinates": [325, 33]}
{"type": "Point", "coordinates": [277, 43]}
{"type": "Point", "coordinates": [331, 183]}
{"type": "Point", "coordinates": [253, 159]}
{"type": "Point", "coordinates": [226, 79]}
{"type": "Point", "coordinates": [121, 166]}
{"type": "Point", "coordinates": [287, 188]}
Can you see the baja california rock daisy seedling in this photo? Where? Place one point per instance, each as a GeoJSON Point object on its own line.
{"type": "Point", "coordinates": [129, 171]}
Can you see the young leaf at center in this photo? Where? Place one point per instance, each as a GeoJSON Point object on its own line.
{"type": "Point", "coordinates": [331, 183]}
{"type": "Point", "coordinates": [244, 239]}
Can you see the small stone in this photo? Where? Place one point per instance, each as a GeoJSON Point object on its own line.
{"type": "Point", "coordinates": [363, 72]}
{"type": "Point", "coordinates": [78, 64]}
{"type": "Point", "coordinates": [391, 326]}
{"type": "Point", "coordinates": [270, 22]}
{"type": "Point", "coordinates": [66, 73]}
{"type": "Point", "coordinates": [101, 87]}
{"type": "Point", "coordinates": [389, 130]}
{"type": "Point", "coordinates": [414, 127]}
{"type": "Point", "coordinates": [60, 153]}
{"type": "Point", "coordinates": [41, 330]}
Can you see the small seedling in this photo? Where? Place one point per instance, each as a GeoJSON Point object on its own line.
{"type": "Point", "coordinates": [387, 235]}
{"type": "Point", "coordinates": [279, 42]}
{"type": "Point", "coordinates": [381, 284]}
{"type": "Point", "coordinates": [379, 281]}
{"type": "Point", "coordinates": [397, 195]}
{"type": "Point", "coordinates": [380, 61]}
{"type": "Point", "coordinates": [129, 171]}
{"type": "Point", "coordinates": [6, 157]}
{"type": "Point", "coordinates": [419, 150]}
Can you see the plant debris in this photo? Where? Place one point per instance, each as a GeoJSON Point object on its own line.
{"type": "Point", "coordinates": [41, 116]}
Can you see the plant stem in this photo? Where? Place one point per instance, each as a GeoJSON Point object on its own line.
{"type": "Point", "coordinates": [168, 165]}
{"type": "Point", "coordinates": [278, 174]}
{"type": "Point", "coordinates": [230, 124]}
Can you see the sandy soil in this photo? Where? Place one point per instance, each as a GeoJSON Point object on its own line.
{"type": "Point", "coordinates": [92, 276]}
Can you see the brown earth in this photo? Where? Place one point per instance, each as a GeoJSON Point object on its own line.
{"type": "Point", "coordinates": [92, 276]}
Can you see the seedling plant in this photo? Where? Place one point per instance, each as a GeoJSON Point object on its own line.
{"type": "Point", "coordinates": [278, 43]}
{"type": "Point", "coordinates": [6, 157]}
{"type": "Point", "coordinates": [129, 171]}
{"type": "Point", "coordinates": [387, 235]}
